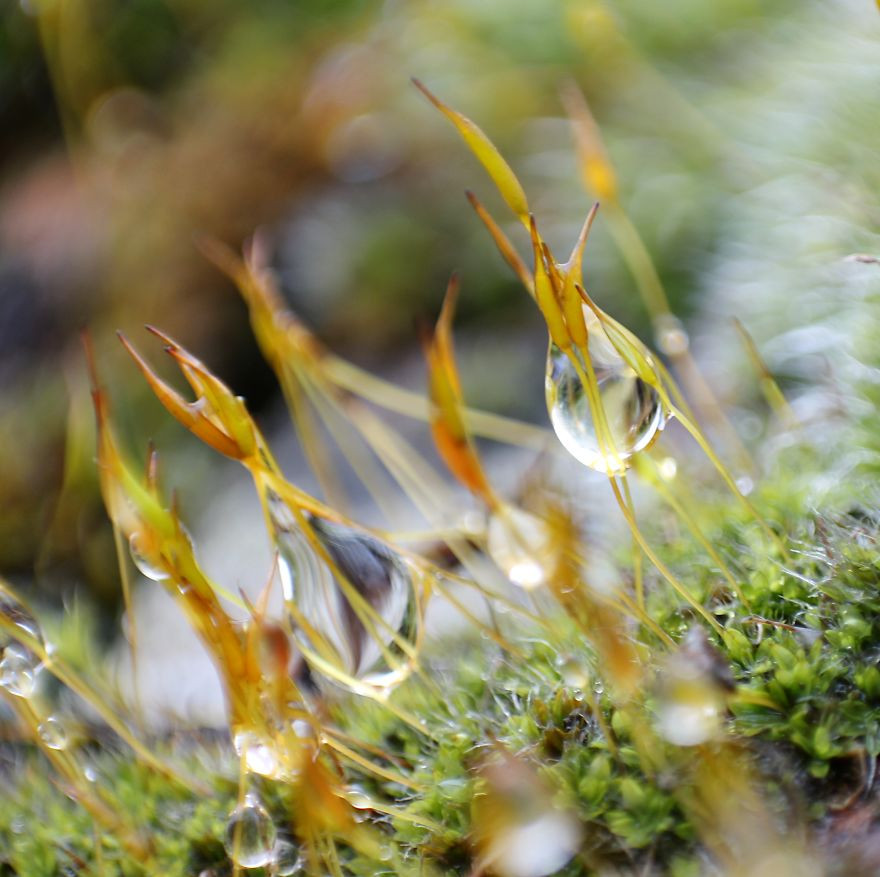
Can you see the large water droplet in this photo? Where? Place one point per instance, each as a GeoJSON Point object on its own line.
{"type": "Point", "coordinates": [522, 546]}
{"type": "Point", "coordinates": [363, 621]}
{"type": "Point", "coordinates": [53, 732]}
{"type": "Point", "coordinates": [146, 565]}
{"type": "Point", "coordinates": [250, 835]}
{"type": "Point", "coordinates": [18, 670]}
{"type": "Point", "coordinates": [633, 409]}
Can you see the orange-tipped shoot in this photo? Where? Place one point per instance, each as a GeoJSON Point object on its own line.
{"type": "Point", "coordinates": [488, 155]}
{"type": "Point", "coordinates": [448, 428]}
{"type": "Point", "coordinates": [217, 417]}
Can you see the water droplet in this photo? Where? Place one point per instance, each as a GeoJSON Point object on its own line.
{"type": "Point", "coordinates": [15, 612]}
{"type": "Point", "coordinates": [574, 672]}
{"type": "Point", "coordinates": [599, 687]}
{"type": "Point", "coordinates": [745, 485]}
{"type": "Point", "coordinates": [386, 853]}
{"type": "Point", "coordinates": [633, 410]}
{"type": "Point", "coordinates": [366, 621]}
{"type": "Point", "coordinates": [287, 858]}
{"type": "Point", "coordinates": [358, 798]}
{"type": "Point", "coordinates": [18, 670]}
{"type": "Point", "coordinates": [692, 692]}
{"type": "Point", "coordinates": [53, 732]}
{"type": "Point", "coordinates": [473, 523]}
{"type": "Point", "coordinates": [670, 335]}
{"type": "Point", "coordinates": [257, 754]}
{"type": "Point", "coordinates": [146, 565]}
{"type": "Point", "coordinates": [691, 718]}
{"type": "Point", "coordinates": [250, 835]}
{"type": "Point", "coordinates": [535, 848]}
{"type": "Point", "coordinates": [668, 468]}
{"type": "Point", "coordinates": [522, 546]}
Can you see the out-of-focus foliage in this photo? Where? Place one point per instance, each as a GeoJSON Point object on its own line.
{"type": "Point", "coordinates": [173, 119]}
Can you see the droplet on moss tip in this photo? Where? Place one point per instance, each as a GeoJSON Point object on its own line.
{"type": "Point", "coordinates": [250, 835]}
{"type": "Point", "coordinates": [632, 409]}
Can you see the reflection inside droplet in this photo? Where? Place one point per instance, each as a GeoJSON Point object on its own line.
{"type": "Point", "coordinates": [632, 409]}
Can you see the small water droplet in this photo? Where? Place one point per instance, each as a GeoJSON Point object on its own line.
{"type": "Point", "coordinates": [745, 485]}
{"type": "Point", "coordinates": [599, 687]}
{"type": "Point", "coordinates": [370, 637]}
{"type": "Point", "coordinates": [18, 671]}
{"type": "Point", "coordinates": [633, 409]}
{"type": "Point", "coordinates": [668, 468]}
{"type": "Point", "coordinates": [147, 566]}
{"type": "Point", "coordinates": [287, 858]}
{"type": "Point", "coordinates": [473, 523]}
{"type": "Point", "coordinates": [358, 798]}
{"type": "Point", "coordinates": [15, 612]}
{"type": "Point", "coordinates": [522, 546]}
{"type": "Point", "coordinates": [692, 692]}
{"type": "Point", "coordinates": [574, 672]}
{"type": "Point", "coordinates": [257, 754]}
{"type": "Point", "coordinates": [670, 335]}
{"type": "Point", "coordinates": [250, 835]}
{"type": "Point", "coordinates": [690, 719]}
{"type": "Point", "coordinates": [535, 848]}
{"type": "Point", "coordinates": [386, 853]}
{"type": "Point", "coordinates": [53, 732]}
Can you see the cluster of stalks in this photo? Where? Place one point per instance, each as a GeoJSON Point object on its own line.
{"type": "Point", "coordinates": [672, 695]}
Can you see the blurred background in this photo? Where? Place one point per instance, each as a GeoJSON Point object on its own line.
{"type": "Point", "coordinates": [744, 133]}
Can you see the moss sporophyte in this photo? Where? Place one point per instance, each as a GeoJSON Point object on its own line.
{"type": "Point", "coordinates": [712, 709]}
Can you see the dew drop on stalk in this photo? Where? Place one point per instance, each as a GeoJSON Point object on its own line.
{"type": "Point", "coordinates": [670, 335]}
{"type": "Point", "coordinates": [668, 468]}
{"type": "Point", "coordinates": [250, 835]}
{"type": "Point", "coordinates": [535, 848]}
{"type": "Point", "coordinates": [18, 670]}
{"type": "Point", "coordinates": [691, 703]}
{"type": "Point", "coordinates": [522, 546]}
{"type": "Point", "coordinates": [356, 596]}
{"type": "Point", "coordinates": [53, 732]}
{"type": "Point", "coordinates": [257, 754]}
{"type": "Point", "coordinates": [358, 798]}
{"type": "Point", "coordinates": [287, 859]}
{"type": "Point", "coordinates": [15, 612]}
{"type": "Point", "coordinates": [574, 672]}
{"type": "Point", "coordinates": [145, 565]}
{"type": "Point", "coordinates": [633, 411]}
